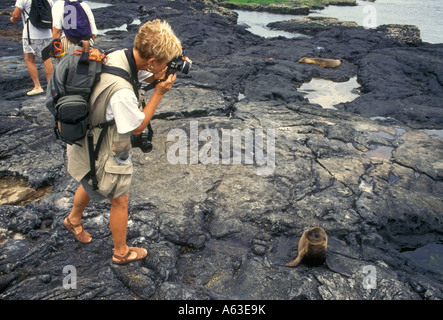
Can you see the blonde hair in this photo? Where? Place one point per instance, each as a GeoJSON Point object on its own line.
{"type": "Point", "coordinates": [155, 39]}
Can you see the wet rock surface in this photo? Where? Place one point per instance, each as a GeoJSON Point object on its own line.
{"type": "Point", "coordinates": [297, 7]}
{"type": "Point", "coordinates": [367, 173]}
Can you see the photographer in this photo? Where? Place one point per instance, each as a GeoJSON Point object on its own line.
{"type": "Point", "coordinates": [114, 98]}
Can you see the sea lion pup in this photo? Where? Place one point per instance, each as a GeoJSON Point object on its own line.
{"type": "Point", "coordinates": [311, 248]}
{"type": "Point", "coordinates": [324, 63]}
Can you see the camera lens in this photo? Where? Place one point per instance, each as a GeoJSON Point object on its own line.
{"type": "Point", "coordinates": [146, 146]}
{"type": "Point", "coordinates": [178, 64]}
{"type": "Point", "coordinates": [186, 67]}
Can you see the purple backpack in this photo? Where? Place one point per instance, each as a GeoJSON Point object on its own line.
{"type": "Point", "coordinates": [80, 28]}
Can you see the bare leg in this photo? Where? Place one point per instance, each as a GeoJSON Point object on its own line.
{"type": "Point", "coordinates": [81, 200]}
{"type": "Point", "coordinates": [118, 223]}
{"type": "Point", "coordinates": [32, 68]}
{"type": "Point", "coordinates": [49, 69]}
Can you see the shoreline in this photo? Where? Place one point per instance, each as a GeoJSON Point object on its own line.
{"type": "Point", "coordinates": [284, 8]}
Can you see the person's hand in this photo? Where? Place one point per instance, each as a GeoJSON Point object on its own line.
{"type": "Point", "coordinates": [160, 75]}
{"type": "Point", "coordinates": [164, 86]}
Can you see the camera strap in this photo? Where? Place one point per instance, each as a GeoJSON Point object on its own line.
{"type": "Point", "coordinates": [131, 77]}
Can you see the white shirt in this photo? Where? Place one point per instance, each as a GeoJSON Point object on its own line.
{"type": "Point", "coordinates": [123, 107]}
{"type": "Point", "coordinates": [35, 33]}
{"type": "Point", "coordinates": [58, 19]}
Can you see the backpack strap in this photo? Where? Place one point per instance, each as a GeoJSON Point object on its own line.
{"type": "Point", "coordinates": [117, 72]}
{"type": "Point", "coordinates": [131, 78]}
{"type": "Point", "coordinates": [133, 66]}
{"type": "Point", "coordinates": [92, 173]}
{"type": "Point", "coordinates": [93, 154]}
{"type": "Point", "coordinates": [27, 25]}
{"type": "Point", "coordinates": [104, 127]}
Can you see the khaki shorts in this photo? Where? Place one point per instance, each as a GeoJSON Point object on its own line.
{"type": "Point", "coordinates": [36, 46]}
{"type": "Point", "coordinates": [114, 181]}
{"type": "Point", "coordinates": [94, 195]}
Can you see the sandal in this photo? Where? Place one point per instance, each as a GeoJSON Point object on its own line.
{"type": "Point", "coordinates": [141, 254]}
{"type": "Point", "coordinates": [34, 91]}
{"type": "Point", "coordinates": [82, 236]}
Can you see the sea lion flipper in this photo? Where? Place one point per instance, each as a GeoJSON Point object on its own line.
{"type": "Point", "coordinates": [294, 262]}
{"type": "Point", "coordinates": [301, 254]}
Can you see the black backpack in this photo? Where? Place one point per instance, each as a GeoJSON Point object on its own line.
{"type": "Point", "coordinates": [70, 87]}
{"type": "Point", "coordinates": [68, 93]}
{"type": "Point", "coordinates": [40, 15]}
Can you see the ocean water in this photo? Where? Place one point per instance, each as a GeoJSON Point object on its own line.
{"type": "Point", "coordinates": [328, 93]}
{"type": "Point", "coordinates": [425, 14]}
{"type": "Point", "coordinates": [257, 21]}
{"type": "Point", "coordinates": [97, 5]}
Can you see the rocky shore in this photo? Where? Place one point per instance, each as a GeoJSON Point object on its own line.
{"type": "Point", "coordinates": [369, 172]}
{"type": "Point", "coordinates": [288, 7]}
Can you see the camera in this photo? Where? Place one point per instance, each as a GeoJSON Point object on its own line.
{"type": "Point", "coordinates": [143, 140]}
{"type": "Point", "coordinates": [178, 64]}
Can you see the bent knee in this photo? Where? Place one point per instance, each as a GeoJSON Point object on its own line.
{"type": "Point", "coordinates": [120, 202]}
{"type": "Point", "coordinates": [29, 57]}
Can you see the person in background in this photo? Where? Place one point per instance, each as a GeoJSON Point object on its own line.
{"type": "Point", "coordinates": [73, 21]}
{"type": "Point", "coordinates": [33, 43]}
